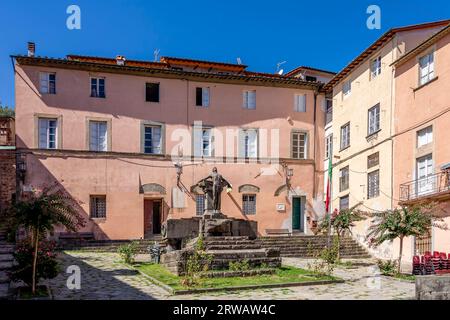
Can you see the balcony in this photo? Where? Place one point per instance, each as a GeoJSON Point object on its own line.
{"type": "Point", "coordinates": [435, 187]}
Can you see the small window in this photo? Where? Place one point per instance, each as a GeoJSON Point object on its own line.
{"type": "Point", "coordinates": [374, 119]}
{"type": "Point", "coordinates": [203, 142]}
{"type": "Point", "coordinates": [249, 99]}
{"type": "Point", "coordinates": [47, 82]}
{"type": "Point", "coordinates": [344, 203]}
{"type": "Point", "coordinates": [347, 88]}
{"type": "Point", "coordinates": [373, 160]}
{"type": "Point", "coordinates": [98, 207]}
{"type": "Point", "coordinates": [202, 97]}
{"type": "Point", "coordinates": [300, 103]}
{"type": "Point", "coordinates": [152, 92]}
{"type": "Point", "coordinates": [299, 145]}
{"type": "Point", "coordinates": [345, 136]}
{"type": "Point", "coordinates": [98, 136]}
{"type": "Point", "coordinates": [248, 143]}
{"type": "Point", "coordinates": [310, 78]}
{"type": "Point", "coordinates": [48, 131]}
{"type": "Point", "coordinates": [373, 182]}
{"type": "Point", "coordinates": [426, 68]}
{"type": "Point", "coordinates": [329, 146]}
{"type": "Point", "coordinates": [98, 87]}
{"type": "Point", "coordinates": [199, 204]}
{"type": "Point", "coordinates": [152, 139]}
{"type": "Point", "coordinates": [375, 67]}
{"type": "Point", "coordinates": [249, 204]}
{"type": "Point", "coordinates": [424, 136]}
{"type": "Point", "coordinates": [344, 179]}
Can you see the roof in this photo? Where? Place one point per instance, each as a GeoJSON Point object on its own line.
{"type": "Point", "coordinates": [388, 35]}
{"type": "Point", "coordinates": [422, 46]}
{"type": "Point", "coordinates": [296, 70]}
{"type": "Point", "coordinates": [202, 63]}
{"type": "Point", "coordinates": [163, 70]}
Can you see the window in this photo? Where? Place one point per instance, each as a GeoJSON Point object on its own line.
{"type": "Point", "coordinates": [373, 124]}
{"type": "Point", "coordinates": [426, 68]}
{"type": "Point", "coordinates": [300, 103]}
{"type": "Point", "coordinates": [345, 136]}
{"type": "Point", "coordinates": [249, 204]}
{"type": "Point", "coordinates": [202, 97]}
{"type": "Point", "coordinates": [373, 183]}
{"type": "Point", "coordinates": [98, 136]}
{"type": "Point", "coordinates": [424, 136]}
{"type": "Point", "coordinates": [344, 203]}
{"type": "Point", "coordinates": [48, 129]}
{"type": "Point", "coordinates": [347, 88]}
{"type": "Point", "coordinates": [423, 244]}
{"type": "Point", "coordinates": [249, 99]}
{"type": "Point", "coordinates": [375, 67]}
{"type": "Point", "coordinates": [98, 87]}
{"type": "Point", "coordinates": [329, 146]}
{"type": "Point", "coordinates": [98, 207]}
{"type": "Point", "coordinates": [199, 204]}
{"type": "Point", "coordinates": [152, 92]}
{"type": "Point", "coordinates": [248, 143]}
{"type": "Point", "coordinates": [299, 145]}
{"type": "Point", "coordinates": [373, 160]}
{"type": "Point", "coordinates": [310, 78]}
{"type": "Point", "coordinates": [343, 179]}
{"type": "Point", "coordinates": [152, 139]}
{"type": "Point", "coordinates": [47, 82]}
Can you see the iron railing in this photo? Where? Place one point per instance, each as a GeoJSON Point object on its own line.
{"type": "Point", "coordinates": [430, 185]}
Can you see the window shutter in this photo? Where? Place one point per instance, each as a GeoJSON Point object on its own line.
{"type": "Point", "coordinates": [241, 143]}
{"type": "Point", "coordinates": [245, 99]}
{"type": "Point", "coordinates": [43, 133]}
{"type": "Point", "coordinates": [103, 136]}
{"type": "Point", "coordinates": [93, 136]}
{"type": "Point", "coordinates": [252, 99]}
{"type": "Point", "coordinates": [156, 140]}
{"type": "Point", "coordinates": [198, 143]}
{"type": "Point", "coordinates": [205, 97]}
{"type": "Point", "coordinates": [198, 96]}
{"type": "Point", "coordinates": [253, 143]}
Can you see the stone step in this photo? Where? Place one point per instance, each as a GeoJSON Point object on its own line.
{"type": "Point", "coordinates": [6, 257]}
{"type": "Point", "coordinates": [5, 293]}
{"type": "Point", "coordinates": [6, 249]}
{"type": "Point", "coordinates": [4, 277]}
{"type": "Point", "coordinates": [225, 238]}
{"type": "Point", "coordinates": [6, 265]}
{"type": "Point", "coordinates": [237, 254]}
{"type": "Point", "coordinates": [233, 247]}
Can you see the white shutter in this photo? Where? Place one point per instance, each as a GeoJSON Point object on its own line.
{"type": "Point", "coordinates": [431, 66]}
{"type": "Point", "coordinates": [241, 143]}
{"type": "Point", "coordinates": [102, 136]}
{"type": "Point", "coordinates": [156, 139]}
{"type": "Point", "coordinates": [253, 143]}
{"type": "Point", "coordinates": [43, 79]}
{"type": "Point", "coordinates": [245, 99]}
{"type": "Point", "coordinates": [252, 100]}
{"type": "Point", "coordinates": [93, 136]}
{"type": "Point", "coordinates": [43, 133]}
{"type": "Point", "coordinates": [197, 144]}
{"type": "Point", "coordinates": [205, 97]}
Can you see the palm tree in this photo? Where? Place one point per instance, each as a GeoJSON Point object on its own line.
{"type": "Point", "coordinates": [41, 213]}
{"type": "Point", "coordinates": [401, 223]}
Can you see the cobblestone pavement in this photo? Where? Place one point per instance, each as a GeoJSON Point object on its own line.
{"type": "Point", "coordinates": [104, 277]}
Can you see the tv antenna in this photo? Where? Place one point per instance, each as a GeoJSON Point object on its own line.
{"type": "Point", "coordinates": [279, 70]}
{"type": "Point", "coordinates": [156, 54]}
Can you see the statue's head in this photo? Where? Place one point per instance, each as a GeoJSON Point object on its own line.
{"type": "Point", "coordinates": [214, 170]}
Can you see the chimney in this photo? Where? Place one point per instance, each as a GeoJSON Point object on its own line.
{"type": "Point", "coordinates": [120, 60]}
{"type": "Point", "coordinates": [31, 49]}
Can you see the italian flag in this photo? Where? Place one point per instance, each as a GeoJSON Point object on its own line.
{"type": "Point", "coordinates": [328, 199]}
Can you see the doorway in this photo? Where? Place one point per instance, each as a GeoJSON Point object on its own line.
{"type": "Point", "coordinates": [298, 214]}
{"type": "Point", "coordinates": [152, 217]}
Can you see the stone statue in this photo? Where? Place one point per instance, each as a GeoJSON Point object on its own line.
{"type": "Point", "coordinates": [212, 186]}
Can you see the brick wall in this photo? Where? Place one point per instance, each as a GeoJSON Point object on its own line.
{"type": "Point", "coordinates": [7, 177]}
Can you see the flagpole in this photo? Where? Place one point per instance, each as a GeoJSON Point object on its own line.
{"type": "Point", "coordinates": [328, 202]}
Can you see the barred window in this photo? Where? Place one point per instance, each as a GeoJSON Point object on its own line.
{"type": "Point", "coordinates": [423, 244]}
{"type": "Point", "coordinates": [249, 204]}
{"type": "Point", "coordinates": [373, 182]}
{"type": "Point", "coordinates": [98, 207]}
{"type": "Point", "coordinates": [344, 203]}
{"type": "Point", "coordinates": [199, 204]}
{"type": "Point", "coordinates": [373, 160]}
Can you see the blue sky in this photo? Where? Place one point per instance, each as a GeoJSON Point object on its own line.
{"type": "Point", "coordinates": [322, 34]}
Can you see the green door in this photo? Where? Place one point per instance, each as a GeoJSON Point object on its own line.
{"type": "Point", "coordinates": [298, 208]}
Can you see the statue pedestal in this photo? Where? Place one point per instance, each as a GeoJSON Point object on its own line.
{"type": "Point", "coordinates": [215, 225]}
{"type": "Point", "coordinates": [214, 214]}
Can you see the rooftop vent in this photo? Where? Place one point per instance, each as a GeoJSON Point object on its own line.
{"type": "Point", "coordinates": [120, 60]}
{"type": "Point", "coordinates": [31, 49]}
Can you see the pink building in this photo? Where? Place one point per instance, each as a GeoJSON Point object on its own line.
{"type": "Point", "coordinates": [129, 139]}
{"type": "Point", "coordinates": [421, 146]}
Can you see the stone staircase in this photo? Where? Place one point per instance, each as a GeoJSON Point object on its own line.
{"type": "Point", "coordinates": [106, 245]}
{"type": "Point", "coordinates": [307, 246]}
{"type": "Point", "coordinates": [6, 263]}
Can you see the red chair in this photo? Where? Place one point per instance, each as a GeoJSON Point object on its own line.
{"type": "Point", "coordinates": [428, 265]}
{"type": "Point", "coordinates": [417, 266]}
{"type": "Point", "coordinates": [436, 259]}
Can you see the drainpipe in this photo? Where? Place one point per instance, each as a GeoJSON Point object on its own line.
{"type": "Point", "coordinates": [314, 144]}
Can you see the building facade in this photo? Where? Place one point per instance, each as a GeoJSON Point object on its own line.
{"type": "Point", "coordinates": [363, 112]}
{"type": "Point", "coordinates": [421, 148]}
{"type": "Point", "coordinates": [130, 139]}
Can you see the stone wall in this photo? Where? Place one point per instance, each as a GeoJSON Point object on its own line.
{"type": "Point", "coordinates": [433, 287]}
{"type": "Point", "coordinates": [7, 177]}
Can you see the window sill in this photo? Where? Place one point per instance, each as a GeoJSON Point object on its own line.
{"type": "Point", "coordinates": [373, 135]}
{"type": "Point", "coordinates": [345, 148]}
{"type": "Point", "coordinates": [100, 97]}
{"type": "Point", "coordinates": [98, 219]}
{"type": "Point", "coordinates": [425, 84]}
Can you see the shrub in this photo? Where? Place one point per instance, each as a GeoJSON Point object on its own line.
{"type": "Point", "coordinates": [197, 263]}
{"type": "Point", "coordinates": [239, 265]}
{"type": "Point", "coordinates": [46, 268]}
{"type": "Point", "coordinates": [325, 259]}
{"type": "Point", "coordinates": [128, 252]}
{"type": "Point", "coordinates": [387, 267]}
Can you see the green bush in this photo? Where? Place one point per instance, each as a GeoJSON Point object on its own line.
{"type": "Point", "coordinates": [128, 252]}
{"type": "Point", "coordinates": [387, 267]}
{"type": "Point", "coordinates": [239, 265]}
{"type": "Point", "coordinates": [47, 265]}
{"type": "Point", "coordinates": [197, 263]}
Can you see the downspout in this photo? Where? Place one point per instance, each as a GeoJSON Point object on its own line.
{"type": "Point", "coordinates": [314, 144]}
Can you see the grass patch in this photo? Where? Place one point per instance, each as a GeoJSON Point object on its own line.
{"type": "Point", "coordinates": [25, 293]}
{"type": "Point", "coordinates": [285, 274]}
{"type": "Point", "coordinates": [404, 276]}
